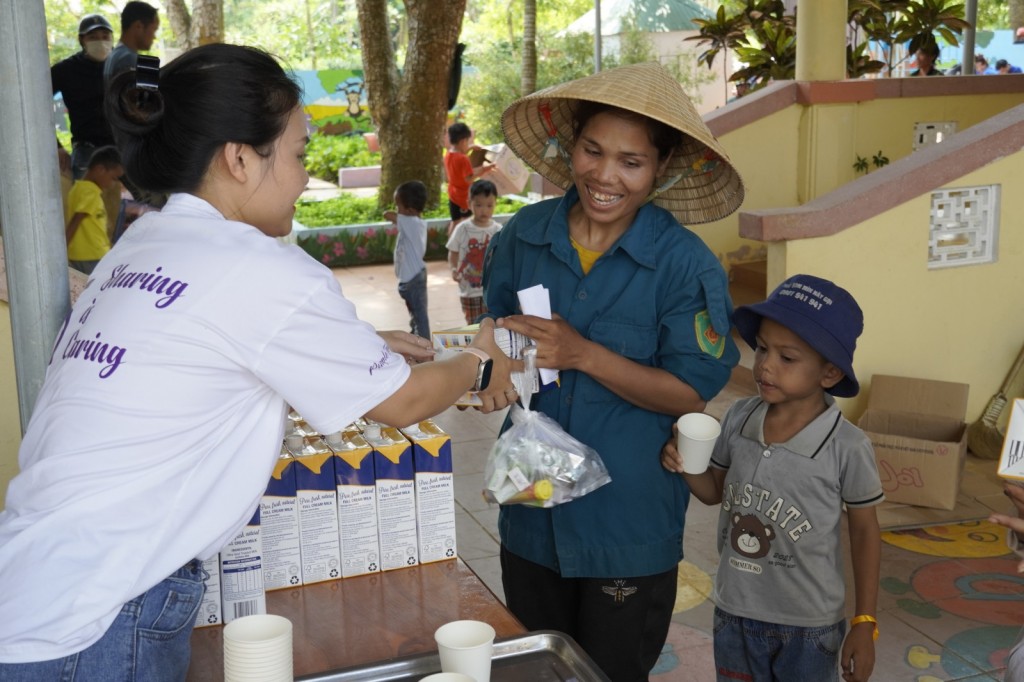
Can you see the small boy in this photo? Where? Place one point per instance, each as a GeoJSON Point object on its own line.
{"type": "Point", "coordinates": [85, 215]}
{"type": "Point", "coordinates": [460, 171]}
{"type": "Point", "coordinates": [785, 464]}
{"type": "Point", "coordinates": [410, 247]}
{"type": "Point", "coordinates": [467, 246]}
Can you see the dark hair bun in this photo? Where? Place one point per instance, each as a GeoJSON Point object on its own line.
{"type": "Point", "coordinates": [137, 110]}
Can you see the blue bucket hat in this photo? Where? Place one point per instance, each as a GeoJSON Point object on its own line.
{"type": "Point", "coordinates": [821, 313]}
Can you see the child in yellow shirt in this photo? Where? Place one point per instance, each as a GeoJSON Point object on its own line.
{"type": "Point", "coordinates": [85, 216]}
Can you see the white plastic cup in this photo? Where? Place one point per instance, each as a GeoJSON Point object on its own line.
{"type": "Point", "coordinates": [447, 677]}
{"type": "Point", "coordinates": [465, 646]}
{"type": "Point", "coordinates": [258, 649]}
{"type": "Point", "coordinates": [696, 440]}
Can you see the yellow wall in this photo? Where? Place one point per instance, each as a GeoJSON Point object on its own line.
{"type": "Point", "coordinates": [953, 324]}
{"type": "Point", "coordinates": [10, 421]}
{"type": "Point", "coordinates": [888, 125]}
{"type": "Point", "coordinates": [764, 156]}
{"type": "Point", "coordinates": [801, 152]}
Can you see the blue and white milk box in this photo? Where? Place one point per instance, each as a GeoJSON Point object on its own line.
{"type": "Point", "coordinates": [435, 491]}
{"type": "Point", "coordinates": [357, 503]}
{"type": "Point", "coordinates": [279, 527]}
{"type": "Point", "coordinates": [210, 611]}
{"type": "Point", "coordinates": [241, 573]}
{"type": "Point", "coordinates": [396, 496]}
{"type": "Point", "coordinates": [317, 497]}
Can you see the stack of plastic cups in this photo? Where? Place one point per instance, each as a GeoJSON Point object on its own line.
{"type": "Point", "coordinates": [258, 649]}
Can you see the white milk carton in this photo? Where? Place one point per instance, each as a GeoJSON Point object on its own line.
{"type": "Point", "coordinates": [279, 527]}
{"type": "Point", "coordinates": [396, 496]}
{"type": "Point", "coordinates": [435, 491]}
{"type": "Point", "coordinates": [241, 573]}
{"type": "Point", "coordinates": [210, 611]}
{"type": "Point", "coordinates": [357, 503]}
{"type": "Point", "coordinates": [512, 344]}
{"type": "Point", "coordinates": [317, 497]}
{"type": "Point", "coordinates": [1011, 457]}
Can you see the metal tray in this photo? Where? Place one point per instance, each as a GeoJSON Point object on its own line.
{"type": "Point", "coordinates": [542, 656]}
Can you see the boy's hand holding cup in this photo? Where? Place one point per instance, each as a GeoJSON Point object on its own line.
{"type": "Point", "coordinates": [696, 434]}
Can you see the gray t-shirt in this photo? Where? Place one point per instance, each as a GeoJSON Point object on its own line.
{"type": "Point", "coordinates": [779, 526]}
{"type": "Point", "coordinates": [123, 58]}
{"type": "Point", "coordinates": [410, 247]}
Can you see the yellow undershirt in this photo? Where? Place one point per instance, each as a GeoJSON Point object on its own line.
{"type": "Point", "coordinates": [587, 257]}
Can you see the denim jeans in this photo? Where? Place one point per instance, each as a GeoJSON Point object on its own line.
{"type": "Point", "coordinates": [414, 293]}
{"type": "Point", "coordinates": [149, 641]}
{"type": "Point", "coordinates": [751, 650]}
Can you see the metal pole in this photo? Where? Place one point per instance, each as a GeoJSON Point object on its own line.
{"type": "Point", "coordinates": [31, 214]}
{"type": "Point", "coordinates": [597, 35]}
{"type": "Point", "coordinates": [967, 53]}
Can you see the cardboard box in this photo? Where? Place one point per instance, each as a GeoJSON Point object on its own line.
{"type": "Point", "coordinates": [241, 573]}
{"type": "Point", "coordinates": [1011, 458]}
{"type": "Point", "coordinates": [509, 174]}
{"type": "Point", "coordinates": [357, 503]}
{"type": "Point", "coordinates": [396, 496]}
{"type": "Point", "coordinates": [317, 497]}
{"type": "Point", "coordinates": [920, 439]}
{"type": "Point", "coordinates": [435, 491]}
{"type": "Point", "coordinates": [279, 527]}
{"type": "Point", "coordinates": [210, 610]}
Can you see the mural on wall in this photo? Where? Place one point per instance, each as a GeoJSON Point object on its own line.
{"type": "Point", "coordinates": [335, 100]}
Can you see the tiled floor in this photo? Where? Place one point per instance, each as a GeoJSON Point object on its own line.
{"type": "Point", "coordinates": [950, 602]}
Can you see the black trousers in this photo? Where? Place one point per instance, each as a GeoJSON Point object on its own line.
{"type": "Point", "coordinates": [622, 623]}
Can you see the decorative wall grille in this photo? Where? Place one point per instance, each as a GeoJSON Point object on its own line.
{"type": "Point", "coordinates": [964, 226]}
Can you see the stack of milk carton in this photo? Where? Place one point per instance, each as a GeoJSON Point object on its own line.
{"type": "Point", "coordinates": [368, 498]}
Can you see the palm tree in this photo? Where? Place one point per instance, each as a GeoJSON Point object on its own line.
{"type": "Point", "coordinates": [528, 79]}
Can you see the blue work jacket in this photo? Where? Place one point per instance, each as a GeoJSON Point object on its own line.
{"type": "Point", "coordinates": [659, 297]}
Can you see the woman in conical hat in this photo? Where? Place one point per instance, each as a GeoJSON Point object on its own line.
{"type": "Point", "coordinates": [639, 336]}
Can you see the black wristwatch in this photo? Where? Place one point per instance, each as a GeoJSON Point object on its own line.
{"type": "Point", "coordinates": [483, 370]}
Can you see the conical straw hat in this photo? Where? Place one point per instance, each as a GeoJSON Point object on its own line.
{"type": "Point", "coordinates": [709, 187]}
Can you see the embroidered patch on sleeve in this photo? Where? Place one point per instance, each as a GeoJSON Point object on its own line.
{"type": "Point", "coordinates": [708, 339]}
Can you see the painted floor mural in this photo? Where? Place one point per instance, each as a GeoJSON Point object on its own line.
{"type": "Point", "coordinates": [951, 604]}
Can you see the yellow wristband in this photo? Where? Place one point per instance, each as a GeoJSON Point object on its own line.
{"type": "Point", "coordinates": [857, 620]}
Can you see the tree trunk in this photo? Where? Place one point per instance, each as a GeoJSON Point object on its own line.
{"type": "Point", "coordinates": [309, 34]}
{"type": "Point", "coordinates": [180, 21]}
{"type": "Point", "coordinates": [1016, 15]}
{"type": "Point", "coordinates": [410, 110]}
{"type": "Point", "coordinates": [528, 81]}
{"type": "Point", "coordinates": [204, 25]}
{"type": "Point", "coordinates": [207, 21]}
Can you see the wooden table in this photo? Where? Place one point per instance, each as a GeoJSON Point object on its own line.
{"type": "Point", "coordinates": [367, 619]}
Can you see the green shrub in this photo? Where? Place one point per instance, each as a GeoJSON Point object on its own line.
{"type": "Point", "coordinates": [374, 245]}
{"type": "Point", "coordinates": [325, 154]}
{"type": "Point", "coordinates": [348, 247]}
{"type": "Point", "coordinates": [349, 209]}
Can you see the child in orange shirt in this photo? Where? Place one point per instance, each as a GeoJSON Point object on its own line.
{"type": "Point", "coordinates": [460, 171]}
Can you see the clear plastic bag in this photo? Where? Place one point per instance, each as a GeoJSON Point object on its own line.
{"type": "Point", "coordinates": [537, 463]}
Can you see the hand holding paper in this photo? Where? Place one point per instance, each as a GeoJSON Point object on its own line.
{"type": "Point", "coordinates": [536, 301]}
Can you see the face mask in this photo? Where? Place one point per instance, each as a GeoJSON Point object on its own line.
{"type": "Point", "coordinates": [98, 50]}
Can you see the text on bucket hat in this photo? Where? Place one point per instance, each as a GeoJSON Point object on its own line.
{"type": "Point", "coordinates": [708, 188]}
{"type": "Point", "coordinates": [91, 22]}
{"type": "Point", "coordinates": [821, 313]}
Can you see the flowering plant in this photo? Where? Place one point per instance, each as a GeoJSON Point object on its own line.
{"type": "Point", "coordinates": [354, 246]}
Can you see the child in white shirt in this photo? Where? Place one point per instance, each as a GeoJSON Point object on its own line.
{"type": "Point", "coordinates": [467, 246]}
